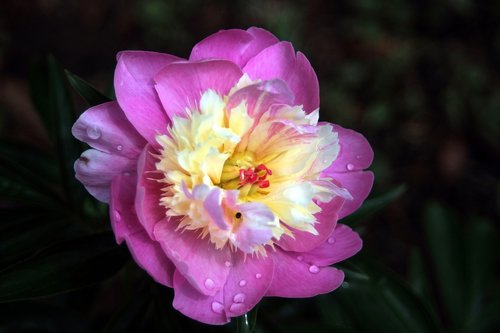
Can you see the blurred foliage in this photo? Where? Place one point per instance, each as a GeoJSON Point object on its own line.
{"type": "Point", "coordinates": [418, 78]}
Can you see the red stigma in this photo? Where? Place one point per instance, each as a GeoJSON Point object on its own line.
{"type": "Point", "coordinates": [257, 176]}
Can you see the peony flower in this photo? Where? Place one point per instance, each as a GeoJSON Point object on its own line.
{"type": "Point", "coordinates": [220, 179]}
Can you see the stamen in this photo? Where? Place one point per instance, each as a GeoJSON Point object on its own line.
{"type": "Point", "coordinates": [257, 176]}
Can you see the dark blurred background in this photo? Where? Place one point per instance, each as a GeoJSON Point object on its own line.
{"type": "Point", "coordinates": [419, 78]}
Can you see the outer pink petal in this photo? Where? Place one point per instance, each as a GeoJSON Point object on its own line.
{"type": "Point", "coordinates": [359, 185]}
{"type": "Point", "coordinates": [181, 84]}
{"type": "Point", "coordinates": [234, 45]}
{"type": "Point", "coordinates": [95, 169]}
{"type": "Point", "coordinates": [147, 199]}
{"type": "Point", "coordinates": [146, 252]}
{"type": "Point", "coordinates": [355, 151]}
{"type": "Point", "coordinates": [247, 283]}
{"type": "Point", "coordinates": [295, 278]}
{"type": "Point", "coordinates": [134, 88]}
{"type": "Point", "coordinates": [342, 244]}
{"type": "Point", "coordinates": [106, 128]}
{"type": "Point", "coordinates": [192, 303]}
{"type": "Point", "coordinates": [305, 241]}
{"type": "Point", "coordinates": [195, 258]}
{"type": "Point", "coordinates": [279, 61]}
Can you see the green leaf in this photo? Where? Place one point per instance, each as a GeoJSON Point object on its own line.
{"type": "Point", "coordinates": [62, 268]}
{"type": "Point", "coordinates": [419, 277]}
{"type": "Point", "coordinates": [90, 94]}
{"type": "Point", "coordinates": [443, 235]}
{"type": "Point", "coordinates": [372, 206]}
{"type": "Point", "coordinates": [375, 300]}
{"type": "Point", "coordinates": [51, 97]}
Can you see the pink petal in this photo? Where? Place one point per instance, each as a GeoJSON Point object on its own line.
{"type": "Point", "coordinates": [254, 228]}
{"type": "Point", "coordinates": [134, 88]}
{"type": "Point", "coordinates": [181, 84]}
{"type": "Point", "coordinates": [95, 170]}
{"type": "Point", "coordinates": [146, 252]}
{"type": "Point", "coordinates": [212, 205]}
{"type": "Point", "coordinates": [247, 283]}
{"type": "Point", "coordinates": [295, 278]}
{"type": "Point", "coordinates": [261, 96]}
{"type": "Point", "coordinates": [326, 221]}
{"type": "Point", "coordinates": [147, 199]}
{"type": "Point", "coordinates": [195, 258]}
{"type": "Point", "coordinates": [355, 152]}
{"type": "Point", "coordinates": [106, 128]}
{"type": "Point", "coordinates": [342, 244]}
{"type": "Point", "coordinates": [190, 302]}
{"type": "Point", "coordinates": [359, 185]}
{"type": "Point", "coordinates": [234, 45]}
{"type": "Point", "coordinates": [279, 61]}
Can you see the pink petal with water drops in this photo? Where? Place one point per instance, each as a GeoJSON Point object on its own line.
{"type": "Point", "coordinates": [343, 243]}
{"type": "Point", "coordinates": [326, 222]}
{"type": "Point", "coordinates": [135, 93]}
{"type": "Point", "coordinates": [247, 283]}
{"type": "Point", "coordinates": [295, 278]}
{"type": "Point", "coordinates": [196, 258]}
{"type": "Point", "coordinates": [146, 253]}
{"type": "Point", "coordinates": [279, 61]}
{"type": "Point", "coordinates": [106, 128]}
{"type": "Point", "coordinates": [234, 45]}
{"type": "Point", "coordinates": [180, 84]}
{"type": "Point", "coordinates": [359, 185]}
{"type": "Point", "coordinates": [355, 152]}
{"type": "Point", "coordinates": [95, 169]}
{"type": "Point", "coordinates": [192, 303]}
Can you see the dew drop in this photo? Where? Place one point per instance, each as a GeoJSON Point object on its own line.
{"type": "Point", "coordinates": [239, 298]}
{"type": "Point", "coordinates": [243, 283]}
{"type": "Point", "coordinates": [345, 284]}
{"type": "Point", "coordinates": [227, 263]}
{"type": "Point", "coordinates": [217, 307]}
{"type": "Point", "coordinates": [119, 147]}
{"type": "Point", "coordinates": [350, 166]}
{"type": "Point", "coordinates": [313, 269]}
{"type": "Point", "coordinates": [331, 240]}
{"type": "Point", "coordinates": [236, 307]}
{"type": "Point", "coordinates": [117, 216]}
{"type": "Point", "coordinates": [93, 132]}
{"type": "Point", "coordinates": [300, 258]}
{"type": "Point", "coordinates": [358, 157]}
{"type": "Point", "coordinates": [258, 276]}
{"type": "Point", "coordinates": [209, 283]}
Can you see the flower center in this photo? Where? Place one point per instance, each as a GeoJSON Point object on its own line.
{"type": "Point", "coordinates": [245, 180]}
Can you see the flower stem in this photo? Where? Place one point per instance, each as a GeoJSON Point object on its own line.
{"type": "Point", "coordinates": [246, 323]}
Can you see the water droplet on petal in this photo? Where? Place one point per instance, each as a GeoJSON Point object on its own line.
{"type": "Point", "coordinates": [243, 283]}
{"type": "Point", "coordinates": [358, 157]}
{"type": "Point", "coordinates": [313, 269]}
{"type": "Point", "coordinates": [119, 147]}
{"type": "Point", "coordinates": [117, 216]}
{"type": "Point", "coordinates": [300, 258]}
{"type": "Point", "coordinates": [350, 166]}
{"type": "Point", "coordinates": [209, 283]}
{"type": "Point", "coordinates": [331, 240]}
{"type": "Point", "coordinates": [93, 132]}
{"type": "Point", "coordinates": [239, 298]}
{"type": "Point", "coordinates": [258, 276]}
{"type": "Point", "coordinates": [236, 307]}
{"type": "Point", "coordinates": [217, 307]}
{"type": "Point", "coordinates": [227, 263]}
